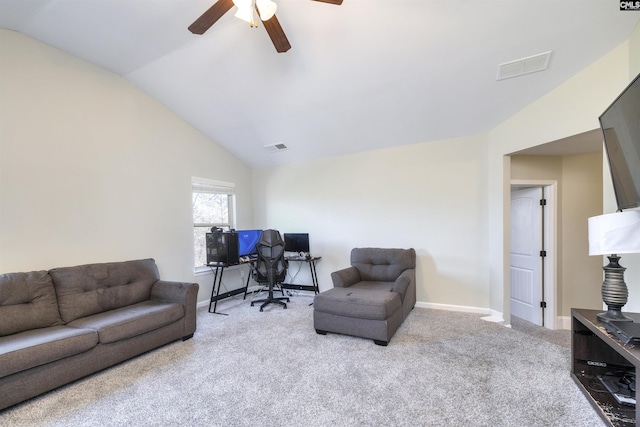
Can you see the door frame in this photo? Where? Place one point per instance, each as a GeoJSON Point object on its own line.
{"type": "Point", "coordinates": [550, 262]}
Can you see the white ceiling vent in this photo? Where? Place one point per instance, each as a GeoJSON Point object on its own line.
{"type": "Point", "coordinates": [522, 66]}
{"type": "Point", "coordinates": [274, 148]}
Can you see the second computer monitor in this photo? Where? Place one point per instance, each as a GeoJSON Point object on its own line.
{"type": "Point", "coordinates": [296, 242]}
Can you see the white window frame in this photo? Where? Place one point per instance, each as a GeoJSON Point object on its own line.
{"type": "Point", "coordinates": [204, 185]}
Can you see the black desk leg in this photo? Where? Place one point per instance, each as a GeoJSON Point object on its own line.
{"type": "Point", "coordinates": [217, 282]}
{"type": "Point", "coordinates": [246, 287]}
{"type": "Point", "coordinates": [314, 277]}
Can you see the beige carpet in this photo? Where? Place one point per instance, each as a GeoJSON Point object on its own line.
{"type": "Point", "coordinates": [271, 369]}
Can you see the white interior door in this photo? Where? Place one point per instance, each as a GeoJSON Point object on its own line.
{"type": "Point", "coordinates": [526, 263]}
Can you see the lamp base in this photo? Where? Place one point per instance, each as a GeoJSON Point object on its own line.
{"type": "Point", "coordinates": [614, 291]}
{"type": "Point", "coordinates": [613, 315]}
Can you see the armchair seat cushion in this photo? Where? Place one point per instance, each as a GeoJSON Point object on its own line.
{"type": "Point", "coordinates": [373, 285]}
{"type": "Point", "coordinates": [354, 302]}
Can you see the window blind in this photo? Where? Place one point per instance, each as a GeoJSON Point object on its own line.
{"type": "Point", "coordinates": [203, 185]}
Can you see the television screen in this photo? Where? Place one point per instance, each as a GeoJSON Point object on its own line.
{"type": "Point", "coordinates": [296, 242]}
{"type": "Point", "coordinates": [247, 240]}
{"type": "Point", "coordinates": [620, 125]}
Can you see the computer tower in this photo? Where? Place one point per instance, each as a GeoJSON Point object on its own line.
{"type": "Point", "coordinates": [222, 248]}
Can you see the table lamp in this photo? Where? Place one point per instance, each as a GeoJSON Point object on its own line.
{"type": "Point", "coordinates": [613, 234]}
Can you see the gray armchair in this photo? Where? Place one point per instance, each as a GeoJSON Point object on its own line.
{"type": "Point", "coordinates": [371, 298]}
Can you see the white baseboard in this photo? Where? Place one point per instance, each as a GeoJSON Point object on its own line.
{"type": "Point", "coordinates": [451, 307]}
{"type": "Point", "coordinates": [490, 315]}
{"type": "Point", "coordinates": [563, 322]}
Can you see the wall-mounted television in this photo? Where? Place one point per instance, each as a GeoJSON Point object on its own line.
{"type": "Point", "coordinates": [247, 240]}
{"type": "Point", "coordinates": [296, 242]}
{"type": "Point", "coordinates": [620, 124]}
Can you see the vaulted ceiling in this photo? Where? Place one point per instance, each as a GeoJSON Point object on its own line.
{"type": "Point", "coordinates": [364, 75]}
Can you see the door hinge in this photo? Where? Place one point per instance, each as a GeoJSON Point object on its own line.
{"type": "Point", "coordinates": [543, 202]}
{"type": "Point", "coordinates": [543, 254]}
{"type": "Point", "coordinates": [543, 304]}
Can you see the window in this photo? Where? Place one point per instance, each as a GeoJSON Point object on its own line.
{"type": "Point", "coordinates": [213, 203]}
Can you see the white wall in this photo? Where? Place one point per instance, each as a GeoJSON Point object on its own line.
{"type": "Point", "coordinates": [94, 170]}
{"type": "Point", "coordinates": [571, 109]}
{"type": "Point", "coordinates": [429, 196]}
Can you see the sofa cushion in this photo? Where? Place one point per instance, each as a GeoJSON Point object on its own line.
{"type": "Point", "coordinates": [93, 288]}
{"type": "Point", "coordinates": [374, 304]}
{"type": "Point", "coordinates": [27, 301]}
{"type": "Point", "coordinates": [29, 349]}
{"type": "Point", "coordinates": [127, 322]}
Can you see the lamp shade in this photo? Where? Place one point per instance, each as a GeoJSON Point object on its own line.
{"type": "Point", "coordinates": [616, 233]}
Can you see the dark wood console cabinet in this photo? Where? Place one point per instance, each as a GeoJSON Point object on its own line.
{"type": "Point", "coordinates": [594, 351]}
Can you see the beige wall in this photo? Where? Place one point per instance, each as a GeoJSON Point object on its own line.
{"type": "Point", "coordinates": [429, 196]}
{"type": "Point", "coordinates": [581, 199]}
{"type": "Point", "coordinates": [630, 261]}
{"type": "Point", "coordinates": [93, 170]}
{"type": "Point", "coordinates": [571, 109]}
{"type": "Point", "coordinates": [579, 179]}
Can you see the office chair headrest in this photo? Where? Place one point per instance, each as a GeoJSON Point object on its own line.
{"type": "Point", "coordinates": [270, 238]}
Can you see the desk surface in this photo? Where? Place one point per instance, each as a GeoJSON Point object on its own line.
{"type": "Point", "coordinates": [254, 259]}
{"type": "Point", "coordinates": [299, 258]}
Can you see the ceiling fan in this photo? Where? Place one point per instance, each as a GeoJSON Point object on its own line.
{"type": "Point", "coordinates": [265, 13]}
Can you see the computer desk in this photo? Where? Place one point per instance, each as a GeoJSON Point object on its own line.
{"type": "Point", "coordinates": [314, 276]}
{"type": "Point", "coordinates": [218, 270]}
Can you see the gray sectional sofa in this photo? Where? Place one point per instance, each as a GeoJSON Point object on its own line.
{"type": "Point", "coordinates": [60, 325]}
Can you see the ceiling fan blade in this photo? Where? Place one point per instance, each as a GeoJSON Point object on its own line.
{"type": "Point", "coordinates": [210, 17]}
{"type": "Point", "coordinates": [338, 2]}
{"type": "Point", "coordinates": [276, 34]}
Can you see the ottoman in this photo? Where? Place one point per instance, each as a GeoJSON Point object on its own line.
{"type": "Point", "coordinates": [367, 313]}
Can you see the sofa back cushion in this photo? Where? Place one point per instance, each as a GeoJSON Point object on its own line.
{"type": "Point", "coordinates": [27, 301]}
{"type": "Point", "coordinates": [382, 264]}
{"type": "Point", "coordinates": [93, 288]}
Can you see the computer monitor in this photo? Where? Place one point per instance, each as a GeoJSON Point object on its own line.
{"type": "Point", "coordinates": [296, 242]}
{"type": "Point", "coordinates": [247, 240]}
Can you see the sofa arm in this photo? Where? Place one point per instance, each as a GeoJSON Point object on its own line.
{"type": "Point", "coordinates": [401, 284]}
{"type": "Point", "coordinates": [345, 277]}
{"type": "Point", "coordinates": [184, 293]}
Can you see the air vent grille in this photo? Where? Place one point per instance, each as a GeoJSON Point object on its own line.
{"type": "Point", "coordinates": [519, 67]}
{"type": "Point", "coordinates": [274, 148]}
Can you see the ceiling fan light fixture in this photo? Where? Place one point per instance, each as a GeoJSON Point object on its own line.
{"type": "Point", "coordinates": [245, 13]}
{"type": "Point", "coordinates": [241, 4]}
{"type": "Point", "coordinates": [266, 8]}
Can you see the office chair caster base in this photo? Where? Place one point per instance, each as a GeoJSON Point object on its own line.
{"type": "Point", "coordinates": [271, 301]}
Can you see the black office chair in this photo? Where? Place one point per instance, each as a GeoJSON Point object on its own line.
{"type": "Point", "coordinates": [271, 267]}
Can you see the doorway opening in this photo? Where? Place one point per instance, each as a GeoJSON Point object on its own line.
{"type": "Point", "coordinates": [533, 261]}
